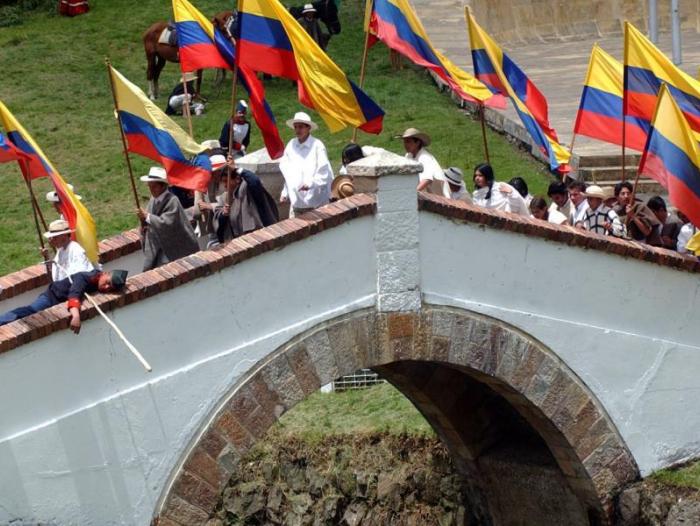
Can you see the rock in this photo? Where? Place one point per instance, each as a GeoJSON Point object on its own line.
{"type": "Point", "coordinates": [354, 514]}
{"type": "Point", "coordinates": [684, 513]}
{"type": "Point", "coordinates": [628, 506]}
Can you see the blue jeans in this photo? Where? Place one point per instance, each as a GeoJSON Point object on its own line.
{"type": "Point", "coordinates": [41, 303]}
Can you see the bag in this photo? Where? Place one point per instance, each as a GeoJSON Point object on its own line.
{"type": "Point", "coordinates": [73, 7]}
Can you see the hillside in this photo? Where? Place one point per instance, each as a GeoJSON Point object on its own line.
{"type": "Point", "coordinates": [54, 81]}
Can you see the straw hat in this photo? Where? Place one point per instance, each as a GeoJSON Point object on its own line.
{"type": "Point", "coordinates": [217, 161]}
{"type": "Point", "coordinates": [302, 118]}
{"type": "Point", "coordinates": [415, 133]}
{"type": "Point", "coordinates": [595, 191]}
{"type": "Point", "coordinates": [308, 8]}
{"type": "Point", "coordinates": [454, 175]}
{"type": "Point", "coordinates": [211, 144]}
{"type": "Point", "coordinates": [52, 197]}
{"type": "Point", "coordinates": [59, 227]}
{"type": "Point", "coordinates": [609, 192]}
{"type": "Point", "coordinates": [342, 187]}
{"type": "Point", "coordinates": [156, 174]}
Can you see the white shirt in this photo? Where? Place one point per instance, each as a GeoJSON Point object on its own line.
{"type": "Point", "coordinates": [556, 217]}
{"type": "Point", "coordinates": [687, 231]}
{"type": "Point", "coordinates": [306, 164]}
{"type": "Point", "coordinates": [71, 259]}
{"type": "Point", "coordinates": [500, 199]}
{"type": "Point", "coordinates": [431, 168]}
{"type": "Point", "coordinates": [578, 213]}
{"type": "Point", "coordinates": [460, 195]}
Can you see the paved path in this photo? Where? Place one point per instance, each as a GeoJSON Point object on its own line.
{"type": "Point", "coordinates": [557, 68]}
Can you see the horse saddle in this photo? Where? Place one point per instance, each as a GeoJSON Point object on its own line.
{"type": "Point", "coordinates": [168, 36]}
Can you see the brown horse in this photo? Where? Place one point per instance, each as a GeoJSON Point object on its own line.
{"type": "Point", "coordinates": [157, 55]}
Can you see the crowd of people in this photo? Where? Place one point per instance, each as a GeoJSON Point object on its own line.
{"type": "Point", "coordinates": [176, 223]}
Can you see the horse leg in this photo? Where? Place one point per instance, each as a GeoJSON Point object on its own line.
{"type": "Point", "coordinates": [160, 64]}
{"type": "Point", "coordinates": [150, 70]}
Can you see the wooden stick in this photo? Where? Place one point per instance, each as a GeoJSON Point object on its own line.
{"type": "Point", "coordinates": [623, 146]}
{"type": "Point", "coordinates": [234, 88]}
{"type": "Point", "coordinates": [128, 344]}
{"type": "Point", "coordinates": [482, 111]}
{"type": "Point", "coordinates": [123, 338]}
{"type": "Point", "coordinates": [37, 214]}
{"type": "Point", "coordinates": [363, 66]}
{"type": "Point", "coordinates": [571, 153]}
{"type": "Point", "coordinates": [121, 132]}
{"type": "Point", "coordinates": [186, 106]}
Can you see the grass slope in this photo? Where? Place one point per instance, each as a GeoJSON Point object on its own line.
{"type": "Point", "coordinates": [54, 81]}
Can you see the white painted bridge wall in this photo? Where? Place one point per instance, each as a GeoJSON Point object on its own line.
{"type": "Point", "coordinates": [86, 437]}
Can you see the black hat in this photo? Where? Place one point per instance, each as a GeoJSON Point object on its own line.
{"type": "Point", "coordinates": [119, 279]}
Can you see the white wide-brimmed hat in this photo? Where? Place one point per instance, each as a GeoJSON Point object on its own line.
{"type": "Point", "coordinates": [595, 191]}
{"type": "Point", "coordinates": [156, 174]}
{"type": "Point", "coordinates": [302, 118]}
{"type": "Point", "coordinates": [52, 197]}
{"type": "Point", "coordinates": [415, 133]}
{"type": "Point", "coordinates": [217, 161]}
{"type": "Point", "coordinates": [211, 144]}
{"type": "Point", "coordinates": [454, 175]}
{"type": "Point", "coordinates": [308, 8]}
{"type": "Point", "coordinates": [59, 227]}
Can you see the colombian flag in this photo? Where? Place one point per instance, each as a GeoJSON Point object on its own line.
{"type": "Point", "coordinates": [395, 23]}
{"type": "Point", "coordinates": [9, 152]}
{"type": "Point", "coordinates": [273, 42]}
{"type": "Point", "coordinates": [36, 164]}
{"type": "Point", "coordinates": [151, 133]}
{"type": "Point", "coordinates": [646, 68]}
{"type": "Point", "coordinates": [672, 156]}
{"type": "Point", "coordinates": [600, 110]}
{"type": "Point", "coordinates": [501, 75]}
{"type": "Point", "coordinates": [204, 46]}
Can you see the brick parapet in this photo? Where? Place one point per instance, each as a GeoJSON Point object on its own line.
{"type": "Point", "coordinates": [175, 273]}
{"type": "Point", "coordinates": [33, 277]}
{"type": "Point", "coordinates": [564, 234]}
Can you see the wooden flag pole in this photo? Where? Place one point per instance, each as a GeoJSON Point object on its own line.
{"type": "Point", "coordinates": [121, 132]}
{"type": "Point", "coordinates": [623, 144]}
{"type": "Point", "coordinates": [234, 91]}
{"type": "Point", "coordinates": [36, 211]}
{"type": "Point", "coordinates": [186, 106]}
{"type": "Point", "coordinates": [571, 153]}
{"type": "Point", "coordinates": [482, 111]}
{"type": "Point", "coordinates": [363, 65]}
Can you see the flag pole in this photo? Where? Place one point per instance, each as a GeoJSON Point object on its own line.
{"type": "Point", "coordinates": [571, 153]}
{"type": "Point", "coordinates": [234, 92]}
{"type": "Point", "coordinates": [121, 132]}
{"type": "Point", "coordinates": [186, 106]}
{"type": "Point", "coordinates": [363, 66]}
{"type": "Point", "coordinates": [482, 115]}
{"type": "Point", "coordinates": [624, 100]}
{"type": "Point", "coordinates": [37, 215]}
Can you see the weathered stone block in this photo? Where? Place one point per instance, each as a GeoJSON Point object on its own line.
{"type": "Point", "coordinates": [397, 200]}
{"type": "Point", "coordinates": [205, 467]}
{"type": "Point", "coordinates": [195, 491]}
{"type": "Point", "coordinates": [228, 426]}
{"type": "Point", "coordinates": [281, 380]}
{"type": "Point", "coordinates": [396, 231]}
{"type": "Point", "coordinates": [318, 348]}
{"type": "Point", "coordinates": [342, 340]}
{"type": "Point", "coordinates": [398, 271]}
{"type": "Point", "coordinates": [399, 301]}
{"type": "Point", "coordinates": [303, 369]}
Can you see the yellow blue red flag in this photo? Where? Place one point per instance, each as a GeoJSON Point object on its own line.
{"type": "Point", "coordinates": [600, 110]}
{"type": "Point", "coordinates": [672, 156]}
{"type": "Point", "coordinates": [501, 75]}
{"type": "Point", "coordinates": [36, 165]}
{"type": "Point", "coordinates": [273, 42]}
{"type": "Point", "coordinates": [395, 23]}
{"type": "Point", "coordinates": [202, 46]}
{"type": "Point", "coordinates": [646, 68]}
{"type": "Point", "coordinates": [151, 133]}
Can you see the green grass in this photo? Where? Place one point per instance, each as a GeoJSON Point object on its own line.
{"type": "Point", "coordinates": [54, 81]}
{"type": "Point", "coordinates": [381, 408]}
{"type": "Point", "coordinates": [687, 476]}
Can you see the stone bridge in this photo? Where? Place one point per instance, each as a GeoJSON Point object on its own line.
{"type": "Point", "coordinates": [557, 366]}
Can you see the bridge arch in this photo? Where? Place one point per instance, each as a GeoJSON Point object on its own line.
{"type": "Point", "coordinates": [475, 379]}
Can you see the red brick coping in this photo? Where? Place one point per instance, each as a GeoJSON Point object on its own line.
{"type": "Point", "coordinates": [35, 276]}
{"type": "Point", "coordinates": [560, 233]}
{"type": "Point", "coordinates": [173, 274]}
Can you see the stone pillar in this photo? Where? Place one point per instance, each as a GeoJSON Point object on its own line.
{"type": "Point", "coordinates": [396, 228]}
{"type": "Point", "coordinates": [268, 170]}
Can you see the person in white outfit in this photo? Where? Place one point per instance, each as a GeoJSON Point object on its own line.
{"type": "Point", "coordinates": [455, 185]}
{"type": "Point", "coordinates": [496, 195]}
{"type": "Point", "coordinates": [70, 257]}
{"type": "Point", "coordinates": [305, 167]}
{"type": "Point", "coordinates": [415, 142]}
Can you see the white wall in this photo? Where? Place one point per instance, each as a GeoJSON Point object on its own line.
{"type": "Point", "coordinates": [629, 329]}
{"type": "Point", "coordinates": [87, 437]}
